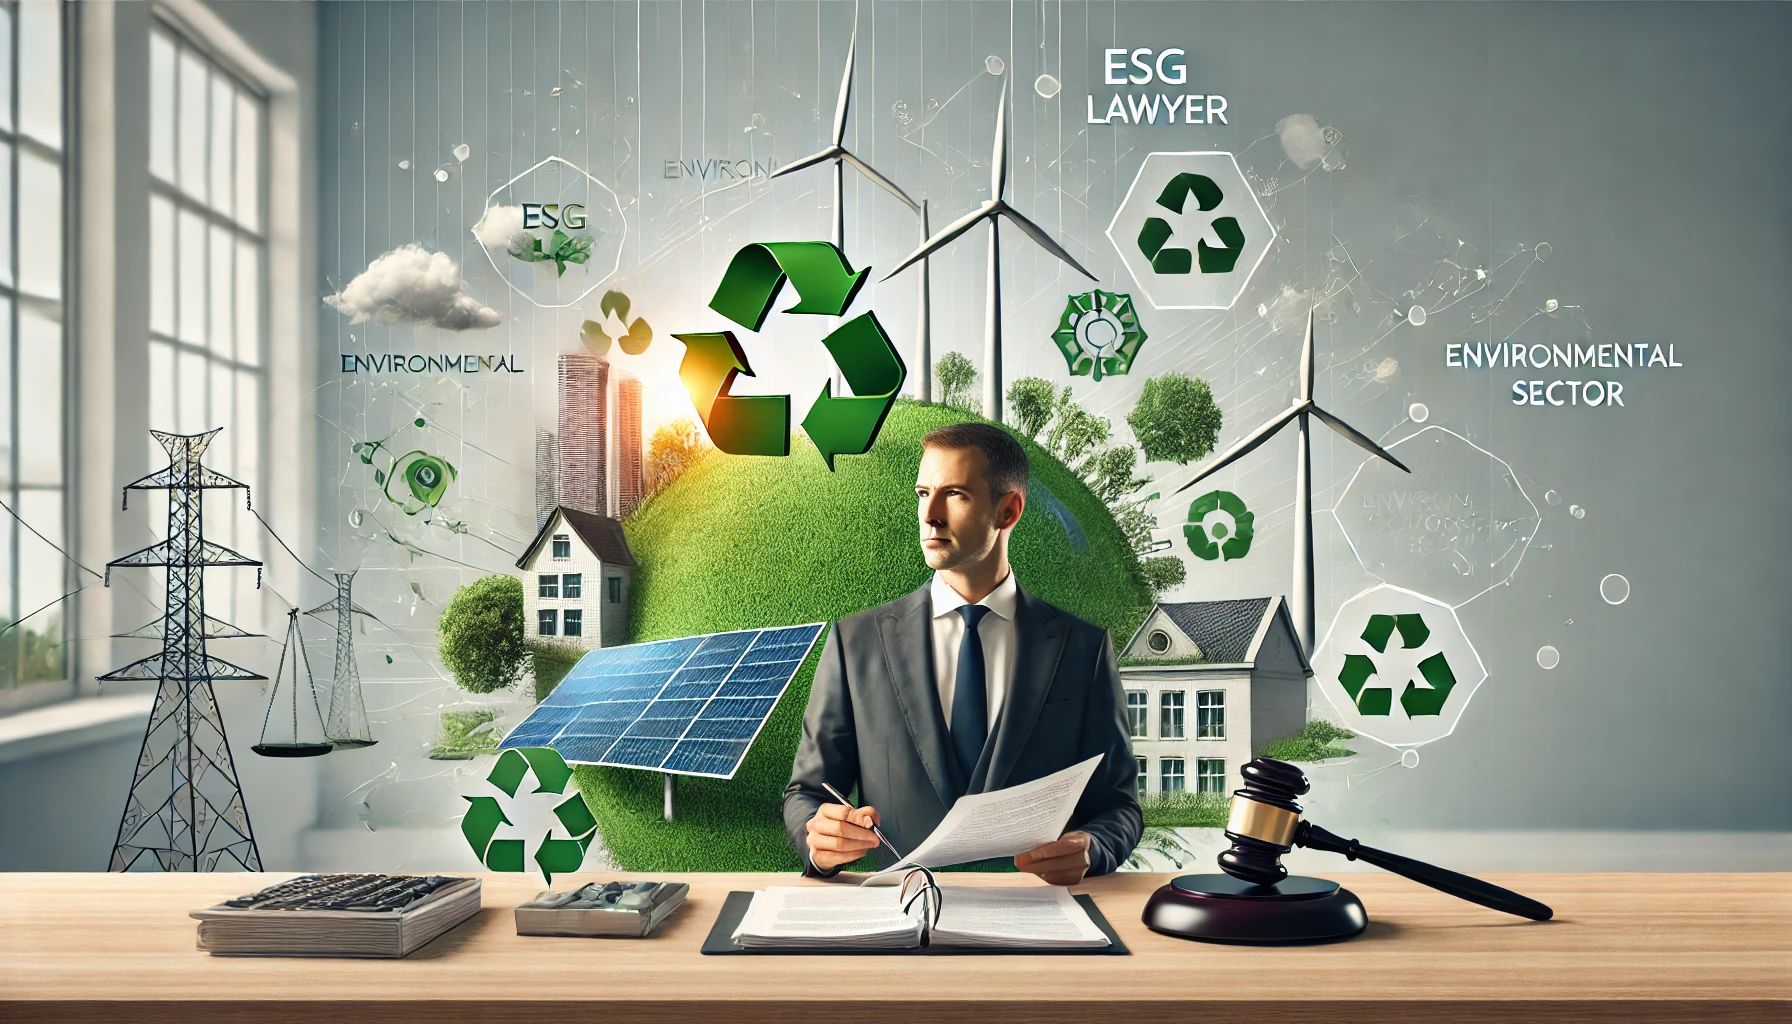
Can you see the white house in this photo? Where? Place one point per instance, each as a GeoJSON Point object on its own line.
{"type": "Point", "coordinates": [1209, 685]}
{"type": "Point", "coordinates": [577, 574]}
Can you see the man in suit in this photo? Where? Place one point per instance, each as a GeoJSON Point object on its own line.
{"type": "Point", "coordinates": [967, 685]}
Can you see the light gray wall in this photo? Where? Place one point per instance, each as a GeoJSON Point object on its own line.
{"type": "Point", "coordinates": [1644, 142]}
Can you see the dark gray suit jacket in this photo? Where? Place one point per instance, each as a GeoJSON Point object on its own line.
{"type": "Point", "coordinates": [874, 722]}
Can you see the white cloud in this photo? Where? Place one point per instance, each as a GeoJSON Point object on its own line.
{"type": "Point", "coordinates": [410, 284]}
{"type": "Point", "coordinates": [498, 226]}
{"type": "Point", "coordinates": [1303, 140]}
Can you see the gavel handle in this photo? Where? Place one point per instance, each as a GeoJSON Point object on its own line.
{"type": "Point", "coordinates": [1461, 886]}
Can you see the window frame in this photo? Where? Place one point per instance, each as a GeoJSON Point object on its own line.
{"type": "Point", "coordinates": [1144, 777]}
{"type": "Point", "coordinates": [1138, 714]}
{"type": "Point", "coordinates": [1210, 726]}
{"type": "Point", "coordinates": [1180, 775]}
{"type": "Point", "coordinates": [1176, 727]}
{"type": "Point", "coordinates": [547, 585]}
{"type": "Point", "coordinates": [555, 544]}
{"type": "Point", "coordinates": [1202, 774]}
{"type": "Point", "coordinates": [572, 622]}
{"type": "Point", "coordinates": [572, 585]}
{"type": "Point", "coordinates": [613, 589]}
{"type": "Point", "coordinates": [547, 622]}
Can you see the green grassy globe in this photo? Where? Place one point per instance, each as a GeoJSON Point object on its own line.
{"type": "Point", "coordinates": [740, 542]}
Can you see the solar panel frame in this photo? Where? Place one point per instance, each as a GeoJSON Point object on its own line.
{"type": "Point", "coordinates": [652, 690]}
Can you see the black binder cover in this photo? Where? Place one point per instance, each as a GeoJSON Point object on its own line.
{"type": "Point", "coordinates": [721, 938]}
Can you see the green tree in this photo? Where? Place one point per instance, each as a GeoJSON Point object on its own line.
{"type": "Point", "coordinates": [1109, 473]}
{"type": "Point", "coordinates": [480, 634]}
{"type": "Point", "coordinates": [1163, 572]}
{"type": "Point", "coordinates": [674, 448]}
{"type": "Point", "coordinates": [1175, 419]}
{"type": "Point", "coordinates": [1030, 402]}
{"type": "Point", "coordinates": [1075, 431]}
{"type": "Point", "coordinates": [957, 379]}
{"type": "Point", "coordinates": [1136, 522]}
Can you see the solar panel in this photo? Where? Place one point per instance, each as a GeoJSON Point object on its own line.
{"type": "Point", "coordinates": [690, 706]}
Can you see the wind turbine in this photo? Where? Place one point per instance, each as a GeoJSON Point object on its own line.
{"type": "Point", "coordinates": [993, 208]}
{"type": "Point", "coordinates": [840, 156]}
{"type": "Point", "coordinates": [1301, 594]}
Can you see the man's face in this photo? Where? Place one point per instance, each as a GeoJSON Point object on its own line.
{"type": "Point", "coordinates": [960, 519]}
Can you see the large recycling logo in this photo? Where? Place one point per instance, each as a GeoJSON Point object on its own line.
{"type": "Point", "coordinates": [564, 832]}
{"type": "Point", "coordinates": [1191, 230]}
{"type": "Point", "coordinates": [1397, 666]}
{"type": "Point", "coordinates": [1099, 334]}
{"type": "Point", "coordinates": [760, 424]}
{"type": "Point", "coordinates": [1220, 527]}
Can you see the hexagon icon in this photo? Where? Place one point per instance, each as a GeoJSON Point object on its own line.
{"type": "Point", "coordinates": [1457, 526]}
{"type": "Point", "coordinates": [1191, 231]}
{"type": "Point", "coordinates": [554, 233]}
{"type": "Point", "coordinates": [1397, 666]}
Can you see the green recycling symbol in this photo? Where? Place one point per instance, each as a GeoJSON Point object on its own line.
{"type": "Point", "coordinates": [615, 326]}
{"type": "Point", "coordinates": [1099, 334]}
{"type": "Point", "coordinates": [1219, 527]}
{"type": "Point", "coordinates": [1414, 700]}
{"type": "Point", "coordinates": [1171, 260]}
{"type": "Point", "coordinates": [486, 813]}
{"type": "Point", "coordinates": [760, 424]}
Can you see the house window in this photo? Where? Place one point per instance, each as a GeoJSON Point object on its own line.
{"type": "Point", "coordinates": [1210, 775]}
{"type": "Point", "coordinates": [547, 622]}
{"type": "Point", "coordinates": [1144, 773]}
{"type": "Point", "coordinates": [33, 360]}
{"type": "Point", "coordinates": [562, 547]}
{"type": "Point", "coordinates": [572, 622]}
{"type": "Point", "coordinates": [1169, 775]}
{"type": "Point", "coordinates": [1210, 715]}
{"type": "Point", "coordinates": [613, 588]}
{"type": "Point", "coordinates": [1170, 721]}
{"type": "Point", "coordinates": [1138, 709]}
{"type": "Point", "coordinates": [547, 586]}
{"type": "Point", "coordinates": [1158, 641]}
{"type": "Point", "coordinates": [572, 584]}
{"type": "Point", "coordinates": [208, 250]}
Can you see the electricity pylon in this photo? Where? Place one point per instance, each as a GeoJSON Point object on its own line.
{"type": "Point", "coordinates": [346, 722]}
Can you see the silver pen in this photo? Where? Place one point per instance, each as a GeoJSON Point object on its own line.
{"type": "Point", "coordinates": [878, 832]}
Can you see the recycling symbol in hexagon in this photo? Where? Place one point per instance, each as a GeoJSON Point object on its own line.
{"type": "Point", "coordinates": [524, 812]}
{"type": "Point", "coordinates": [1397, 666]}
{"type": "Point", "coordinates": [825, 285]}
{"type": "Point", "coordinates": [1220, 527]}
{"type": "Point", "coordinates": [1191, 230]}
{"type": "Point", "coordinates": [1099, 334]}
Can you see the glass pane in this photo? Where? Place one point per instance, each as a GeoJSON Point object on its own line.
{"type": "Point", "coordinates": [40, 397]}
{"type": "Point", "coordinates": [6, 392]}
{"type": "Point", "coordinates": [40, 63]}
{"type": "Point", "coordinates": [223, 149]}
{"type": "Point", "coordinates": [222, 326]}
{"type": "Point", "coordinates": [8, 610]}
{"type": "Point", "coordinates": [40, 226]}
{"type": "Point", "coordinates": [161, 265]}
{"type": "Point", "coordinates": [248, 161]}
{"type": "Point", "coordinates": [161, 390]}
{"type": "Point", "coordinates": [190, 412]}
{"type": "Point", "coordinates": [247, 426]}
{"type": "Point", "coordinates": [43, 577]}
{"type": "Point", "coordinates": [190, 109]}
{"type": "Point", "coordinates": [5, 216]}
{"type": "Point", "coordinates": [220, 415]}
{"type": "Point", "coordinates": [248, 303]}
{"type": "Point", "coordinates": [192, 277]}
{"type": "Point", "coordinates": [161, 106]}
{"type": "Point", "coordinates": [6, 79]}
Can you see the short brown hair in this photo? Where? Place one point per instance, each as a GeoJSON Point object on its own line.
{"type": "Point", "coordinates": [1002, 454]}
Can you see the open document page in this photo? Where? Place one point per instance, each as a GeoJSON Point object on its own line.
{"type": "Point", "coordinates": [828, 917]}
{"type": "Point", "coordinates": [1000, 824]}
{"type": "Point", "coordinates": [1014, 917]}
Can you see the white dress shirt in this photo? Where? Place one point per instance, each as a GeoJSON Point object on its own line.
{"type": "Point", "coordinates": [997, 630]}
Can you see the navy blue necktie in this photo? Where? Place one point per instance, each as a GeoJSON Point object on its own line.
{"type": "Point", "coordinates": [970, 694]}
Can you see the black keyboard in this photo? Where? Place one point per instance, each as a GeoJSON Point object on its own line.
{"type": "Point", "coordinates": [344, 892]}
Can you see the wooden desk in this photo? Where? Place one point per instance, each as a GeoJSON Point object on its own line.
{"type": "Point", "coordinates": [1622, 947]}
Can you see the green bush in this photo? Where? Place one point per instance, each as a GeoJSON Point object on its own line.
{"type": "Point", "coordinates": [466, 734]}
{"type": "Point", "coordinates": [741, 542]}
{"type": "Point", "coordinates": [1318, 741]}
{"type": "Point", "coordinates": [480, 634]}
{"type": "Point", "coordinates": [1186, 810]}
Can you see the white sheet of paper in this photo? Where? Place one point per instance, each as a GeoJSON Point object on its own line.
{"type": "Point", "coordinates": [999, 824]}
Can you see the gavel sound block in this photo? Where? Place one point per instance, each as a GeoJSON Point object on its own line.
{"type": "Point", "coordinates": [1256, 902]}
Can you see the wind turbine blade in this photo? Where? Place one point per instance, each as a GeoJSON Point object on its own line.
{"type": "Point", "coordinates": [941, 239]}
{"type": "Point", "coordinates": [845, 91]}
{"type": "Point", "coordinates": [1360, 440]}
{"type": "Point", "coordinates": [1306, 363]}
{"type": "Point", "coordinates": [882, 182]}
{"type": "Point", "coordinates": [830, 153]}
{"type": "Point", "coordinates": [1245, 446]}
{"type": "Point", "coordinates": [1037, 234]}
{"type": "Point", "coordinates": [998, 158]}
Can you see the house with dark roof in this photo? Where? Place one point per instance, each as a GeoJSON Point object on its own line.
{"type": "Point", "coordinates": [1210, 685]}
{"type": "Point", "coordinates": [577, 575]}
